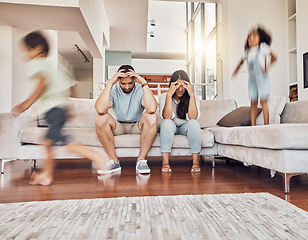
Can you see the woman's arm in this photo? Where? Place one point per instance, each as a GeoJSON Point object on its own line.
{"type": "Point", "coordinates": [167, 111]}
{"type": "Point", "coordinates": [192, 107]}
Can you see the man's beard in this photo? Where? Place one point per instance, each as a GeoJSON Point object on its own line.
{"type": "Point", "coordinates": [128, 91]}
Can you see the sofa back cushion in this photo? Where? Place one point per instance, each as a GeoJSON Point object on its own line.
{"type": "Point", "coordinates": [81, 113]}
{"type": "Point", "coordinates": [276, 105]}
{"type": "Point", "coordinates": [213, 110]}
{"type": "Point", "coordinates": [295, 112]}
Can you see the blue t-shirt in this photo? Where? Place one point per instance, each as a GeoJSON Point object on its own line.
{"type": "Point", "coordinates": [126, 106]}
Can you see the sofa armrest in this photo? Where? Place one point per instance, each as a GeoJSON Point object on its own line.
{"type": "Point", "coordinates": [10, 127]}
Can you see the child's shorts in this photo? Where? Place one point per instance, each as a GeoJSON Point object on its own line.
{"type": "Point", "coordinates": [56, 118]}
{"type": "Point", "coordinates": [259, 86]}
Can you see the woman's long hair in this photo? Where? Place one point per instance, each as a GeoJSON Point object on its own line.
{"type": "Point", "coordinates": [182, 108]}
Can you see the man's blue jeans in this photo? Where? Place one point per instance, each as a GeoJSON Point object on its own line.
{"type": "Point", "coordinates": [191, 129]}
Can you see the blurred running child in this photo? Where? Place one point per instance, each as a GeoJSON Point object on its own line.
{"type": "Point", "coordinates": [259, 58]}
{"type": "Point", "coordinates": [49, 95]}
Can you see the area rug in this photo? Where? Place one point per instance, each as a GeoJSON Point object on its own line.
{"type": "Point", "coordinates": [220, 216]}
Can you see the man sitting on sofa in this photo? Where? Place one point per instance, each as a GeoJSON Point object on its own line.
{"type": "Point", "coordinates": [127, 101]}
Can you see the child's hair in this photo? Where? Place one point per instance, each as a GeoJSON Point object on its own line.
{"type": "Point", "coordinates": [263, 35]}
{"type": "Point", "coordinates": [182, 108]}
{"type": "Point", "coordinates": [126, 68]}
{"type": "Point", "coordinates": [34, 39]}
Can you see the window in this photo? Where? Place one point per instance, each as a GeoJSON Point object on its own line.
{"type": "Point", "coordinates": [201, 48]}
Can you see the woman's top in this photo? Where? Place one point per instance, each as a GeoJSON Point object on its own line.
{"type": "Point", "coordinates": [178, 121]}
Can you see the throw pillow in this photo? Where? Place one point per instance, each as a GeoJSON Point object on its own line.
{"type": "Point", "coordinates": [238, 117]}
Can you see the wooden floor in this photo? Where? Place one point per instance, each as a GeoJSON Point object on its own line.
{"type": "Point", "coordinates": [76, 179]}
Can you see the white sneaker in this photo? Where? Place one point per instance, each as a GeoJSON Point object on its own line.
{"type": "Point", "coordinates": [112, 166]}
{"type": "Point", "coordinates": [142, 166]}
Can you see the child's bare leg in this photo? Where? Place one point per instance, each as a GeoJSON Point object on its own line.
{"type": "Point", "coordinates": [265, 111]}
{"type": "Point", "coordinates": [46, 176]}
{"type": "Point", "coordinates": [90, 154]}
{"type": "Point", "coordinates": [253, 112]}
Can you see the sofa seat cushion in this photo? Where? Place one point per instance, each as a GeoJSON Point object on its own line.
{"type": "Point", "coordinates": [87, 136]}
{"type": "Point", "coordinates": [278, 136]}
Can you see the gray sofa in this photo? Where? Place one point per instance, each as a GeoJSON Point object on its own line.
{"type": "Point", "coordinates": [280, 147]}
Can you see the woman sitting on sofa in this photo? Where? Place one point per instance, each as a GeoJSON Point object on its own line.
{"type": "Point", "coordinates": [179, 110]}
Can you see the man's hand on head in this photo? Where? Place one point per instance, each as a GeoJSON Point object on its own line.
{"type": "Point", "coordinates": [137, 77]}
{"type": "Point", "coordinates": [117, 76]}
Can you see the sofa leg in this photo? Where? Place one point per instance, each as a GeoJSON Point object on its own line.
{"type": "Point", "coordinates": [34, 164]}
{"type": "Point", "coordinates": [213, 161]}
{"type": "Point", "coordinates": [2, 166]}
{"type": "Point", "coordinates": [286, 180]}
{"type": "Point", "coordinates": [3, 161]}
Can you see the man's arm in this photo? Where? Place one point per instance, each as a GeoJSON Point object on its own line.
{"type": "Point", "coordinates": [148, 102]}
{"type": "Point", "coordinates": [103, 102]}
{"type": "Point", "coordinates": [39, 90]}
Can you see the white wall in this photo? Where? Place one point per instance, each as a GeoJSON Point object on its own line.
{"type": "Point", "coordinates": [302, 44]}
{"type": "Point", "coordinates": [84, 87]}
{"type": "Point", "coordinates": [6, 37]}
{"type": "Point", "coordinates": [66, 66]}
{"type": "Point", "coordinates": [158, 66]}
{"type": "Point", "coordinates": [237, 19]}
{"type": "Point", "coordinates": [98, 75]}
{"type": "Point", "coordinates": [21, 86]}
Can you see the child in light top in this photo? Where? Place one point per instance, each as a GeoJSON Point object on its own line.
{"type": "Point", "coordinates": [49, 98]}
{"type": "Point", "coordinates": [259, 59]}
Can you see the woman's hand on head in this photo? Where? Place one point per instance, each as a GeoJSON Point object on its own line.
{"type": "Point", "coordinates": [173, 87]}
{"type": "Point", "coordinates": [189, 88]}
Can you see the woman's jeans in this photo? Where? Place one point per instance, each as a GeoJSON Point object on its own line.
{"type": "Point", "coordinates": [191, 129]}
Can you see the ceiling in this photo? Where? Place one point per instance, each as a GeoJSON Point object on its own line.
{"type": "Point", "coordinates": [128, 24]}
{"type": "Point", "coordinates": [68, 50]}
{"type": "Point", "coordinates": [68, 22]}
{"type": "Point", "coordinates": [127, 19]}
